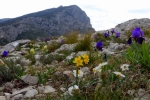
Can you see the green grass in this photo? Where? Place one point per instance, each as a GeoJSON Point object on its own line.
{"type": "Point", "coordinates": [84, 44]}
{"type": "Point", "coordinates": [53, 46]}
{"type": "Point", "coordinates": [147, 33]}
{"type": "Point", "coordinates": [71, 38]}
{"type": "Point", "coordinates": [10, 71]}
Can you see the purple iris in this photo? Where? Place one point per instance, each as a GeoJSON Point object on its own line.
{"type": "Point", "coordinates": [117, 35]}
{"type": "Point", "coordinates": [112, 31]}
{"type": "Point", "coordinates": [62, 41]}
{"type": "Point", "coordinates": [106, 35]}
{"type": "Point", "coordinates": [138, 36]}
{"type": "Point", "coordinates": [99, 45]}
{"type": "Point", "coordinates": [5, 54]}
{"type": "Point", "coordinates": [47, 39]}
{"type": "Point", "coordinates": [140, 40]}
{"type": "Point", "coordinates": [129, 41]}
{"type": "Point", "coordinates": [137, 33]}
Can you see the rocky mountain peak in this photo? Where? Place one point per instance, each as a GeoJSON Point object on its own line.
{"type": "Point", "coordinates": [46, 23]}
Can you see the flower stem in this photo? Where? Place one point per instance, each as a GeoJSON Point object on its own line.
{"type": "Point", "coordinates": [76, 76]}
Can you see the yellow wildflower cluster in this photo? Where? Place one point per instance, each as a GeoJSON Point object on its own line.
{"type": "Point", "coordinates": [45, 48]}
{"type": "Point", "coordinates": [32, 51]}
{"type": "Point", "coordinates": [81, 59]}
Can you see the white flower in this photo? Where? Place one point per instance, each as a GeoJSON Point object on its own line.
{"type": "Point", "coordinates": [80, 73]}
{"type": "Point", "coordinates": [97, 69]}
{"type": "Point", "coordinates": [102, 64]}
{"type": "Point", "coordinates": [119, 74]}
{"type": "Point", "coordinates": [125, 67]}
{"type": "Point", "coordinates": [70, 89]}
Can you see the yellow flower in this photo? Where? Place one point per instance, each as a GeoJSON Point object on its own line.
{"type": "Point", "coordinates": [32, 51]}
{"type": "Point", "coordinates": [86, 58]}
{"type": "Point", "coordinates": [86, 61]}
{"type": "Point", "coordinates": [45, 47]}
{"type": "Point", "coordinates": [78, 61]}
{"type": "Point", "coordinates": [38, 46]}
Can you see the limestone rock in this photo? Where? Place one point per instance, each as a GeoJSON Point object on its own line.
{"type": "Point", "coordinates": [13, 45]}
{"type": "Point", "coordinates": [32, 80]}
{"type": "Point", "coordinates": [49, 89]}
{"type": "Point", "coordinates": [2, 98]}
{"type": "Point", "coordinates": [17, 97]}
{"type": "Point", "coordinates": [31, 93]}
{"type": "Point", "coordinates": [25, 62]}
{"type": "Point", "coordinates": [24, 90]}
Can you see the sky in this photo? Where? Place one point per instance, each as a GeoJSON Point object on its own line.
{"type": "Point", "coordinates": [103, 14]}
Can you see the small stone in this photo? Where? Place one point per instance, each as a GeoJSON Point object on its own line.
{"type": "Point", "coordinates": [17, 97]}
{"type": "Point", "coordinates": [32, 80]}
{"type": "Point", "coordinates": [69, 74]}
{"type": "Point", "coordinates": [25, 62]}
{"type": "Point", "coordinates": [40, 89]}
{"type": "Point", "coordinates": [85, 70]}
{"type": "Point", "coordinates": [2, 98]}
{"type": "Point", "coordinates": [31, 93]}
{"type": "Point", "coordinates": [49, 89]}
{"type": "Point", "coordinates": [21, 91]}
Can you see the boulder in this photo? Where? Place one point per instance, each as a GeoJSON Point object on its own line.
{"type": "Point", "coordinates": [13, 45]}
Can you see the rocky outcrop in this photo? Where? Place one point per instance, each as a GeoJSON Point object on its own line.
{"type": "Point", "coordinates": [143, 23]}
{"type": "Point", "coordinates": [50, 22]}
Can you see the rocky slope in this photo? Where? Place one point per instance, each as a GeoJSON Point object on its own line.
{"type": "Point", "coordinates": [143, 23]}
{"type": "Point", "coordinates": [50, 22]}
{"type": "Point", "coordinates": [57, 70]}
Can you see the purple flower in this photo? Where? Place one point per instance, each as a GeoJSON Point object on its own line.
{"type": "Point", "coordinates": [117, 35]}
{"type": "Point", "coordinates": [47, 39]}
{"type": "Point", "coordinates": [99, 45]}
{"type": "Point", "coordinates": [137, 33]}
{"type": "Point", "coordinates": [129, 41]}
{"type": "Point", "coordinates": [140, 40]}
{"type": "Point", "coordinates": [106, 35]}
{"type": "Point", "coordinates": [138, 36]}
{"type": "Point", "coordinates": [112, 31]}
{"type": "Point", "coordinates": [5, 54]}
{"type": "Point", "coordinates": [62, 40]}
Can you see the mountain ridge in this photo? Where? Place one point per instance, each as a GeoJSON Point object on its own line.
{"type": "Point", "coordinates": [50, 22]}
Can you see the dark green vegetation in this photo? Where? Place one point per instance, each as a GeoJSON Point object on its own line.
{"type": "Point", "coordinates": [32, 35]}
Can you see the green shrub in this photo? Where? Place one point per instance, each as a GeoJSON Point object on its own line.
{"type": "Point", "coordinates": [31, 57]}
{"type": "Point", "coordinates": [53, 46]}
{"type": "Point", "coordinates": [71, 38]}
{"type": "Point", "coordinates": [138, 54]}
{"type": "Point", "coordinates": [49, 58]}
{"type": "Point", "coordinates": [84, 44]}
{"type": "Point", "coordinates": [147, 33]}
{"type": "Point", "coordinates": [10, 71]}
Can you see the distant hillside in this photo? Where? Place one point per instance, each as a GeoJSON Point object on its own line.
{"type": "Point", "coordinates": [3, 20]}
{"type": "Point", "coordinates": [50, 22]}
